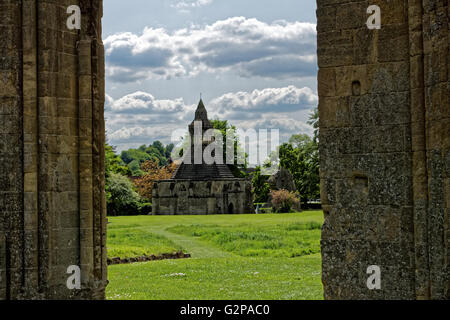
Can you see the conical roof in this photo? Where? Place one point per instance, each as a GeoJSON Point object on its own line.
{"type": "Point", "coordinates": [201, 171]}
{"type": "Point", "coordinates": [202, 115]}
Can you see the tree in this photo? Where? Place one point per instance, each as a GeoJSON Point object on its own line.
{"type": "Point", "coordinates": [113, 163]}
{"type": "Point", "coordinates": [159, 146]}
{"type": "Point", "coordinates": [168, 150]}
{"type": "Point", "coordinates": [314, 122]}
{"type": "Point", "coordinates": [134, 154]}
{"type": "Point", "coordinates": [261, 187]}
{"type": "Point", "coordinates": [120, 196]}
{"type": "Point", "coordinates": [157, 152]}
{"type": "Point", "coordinates": [226, 129]}
{"type": "Point", "coordinates": [152, 172]}
{"type": "Point", "coordinates": [301, 157]}
{"type": "Point", "coordinates": [135, 168]}
{"type": "Point", "coordinates": [300, 140]}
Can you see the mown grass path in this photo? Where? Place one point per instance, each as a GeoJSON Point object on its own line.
{"type": "Point", "coordinates": [197, 249]}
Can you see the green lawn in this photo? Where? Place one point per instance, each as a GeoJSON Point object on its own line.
{"type": "Point", "coordinates": [282, 240]}
{"type": "Point", "coordinates": [272, 256]}
{"type": "Point", "coordinates": [133, 241]}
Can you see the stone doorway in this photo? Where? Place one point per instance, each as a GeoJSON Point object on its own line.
{"type": "Point", "coordinates": [230, 208]}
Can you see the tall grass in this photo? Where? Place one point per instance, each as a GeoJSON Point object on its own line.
{"type": "Point", "coordinates": [133, 242]}
{"type": "Point", "coordinates": [246, 240]}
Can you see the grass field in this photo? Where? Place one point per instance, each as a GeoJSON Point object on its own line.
{"type": "Point", "coordinates": [133, 241]}
{"type": "Point", "coordinates": [240, 257]}
{"type": "Point", "coordinates": [282, 240]}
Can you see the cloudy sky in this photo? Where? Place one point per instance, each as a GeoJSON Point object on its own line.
{"type": "Point", "coordinates": [254, 61]}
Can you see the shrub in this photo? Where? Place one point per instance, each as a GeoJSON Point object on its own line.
{"type": "Point", "coordinates": [121, 198]}
{"type": "Point", "coordinates": [151, 173]}
{"type": "Point", "coordinates": [144, 208]}
{"type": "Point", "coordinates": [283, 200]}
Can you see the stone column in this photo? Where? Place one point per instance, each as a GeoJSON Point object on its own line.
{"type": "Point", "coordinates": [384, 148]}
{"type": "Point", "coordinates": [52, 201]}
{"type": "Point", "coordinates": [436, 82]}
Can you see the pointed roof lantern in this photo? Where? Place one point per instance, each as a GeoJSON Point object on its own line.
{"type": "Point", "coordinates": [202, 115]}
{"type": "Point", "coordinates": [202, 171]}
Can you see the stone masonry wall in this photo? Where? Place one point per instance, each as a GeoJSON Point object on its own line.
{"type": "Point", "coordinates": [385, 148]}
{"type": "Point", "coordinates": [177, 197]}
{"type": "Point", "coordinates": [52, 207]}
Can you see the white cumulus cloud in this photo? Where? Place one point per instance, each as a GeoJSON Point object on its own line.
{"type": "Point", "coordinates": [140, 102]}
{"type": "Point", "coordinates": [247, 105]}
{"type": "Point", "coordinates": [140, 118]}
{"type": "Point", "coordinates": [249, 47]}
{"type": "Point", "coordinates": [188, 4]}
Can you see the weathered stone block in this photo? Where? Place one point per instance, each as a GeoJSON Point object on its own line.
{"type": "Point", "coordinates": [201, 197]}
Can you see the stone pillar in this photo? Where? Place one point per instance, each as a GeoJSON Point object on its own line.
{"type": "Point", "coordinates": [436, 84]}
{"type": "Point", "coordinates": [52, 201]}
{"type": "Point", "coordinates": [385, 148]}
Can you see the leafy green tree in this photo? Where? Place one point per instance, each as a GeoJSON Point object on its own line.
{"type": "Point", "coordinates": [135, 168]}
{"type": "Point", "coordinates": [261, 187]}
{"type": "Point", "coordinates": [301, 157]}
{"type": "Point", "coordinates": [120, 196]}
{"type": "Point", "coordinates": [134, 154]}
{"type": "Point", "coordinates": [113, 163]}
{"type": "Point", "coordinates": [134, 158]}
{"type": "Point", "coordinates": [142, 148]}
{"type": "Point", "coordinates": [168, 150]}
{"type": "Point", "coordinates": [157, 154]}
{"type": "Point", "coordinates": [226, 129]}
{"type": "Point", "coordinates": [300, 140]}
{"type": "Point", "coordinates": [159, 146]}
{"type": "Point", "coordinates": [314, 122]}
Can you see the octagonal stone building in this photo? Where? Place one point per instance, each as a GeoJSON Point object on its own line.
{"type": "Point", "coordinates": [202, 188]}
